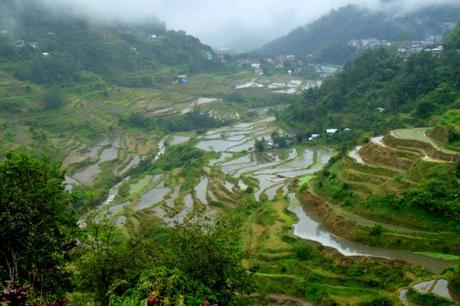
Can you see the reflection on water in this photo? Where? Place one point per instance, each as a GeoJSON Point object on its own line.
{"type": "Point", "coordinates": [308, 228]}
{"type": "Point", "coordinates": [178, 139]}
{"type": "Point", "coordinates": [88, 174]}
{"type": "Point", "coordinates": [152, 197]}
{"type": "Point", "coordinates": [441, 288]}
{"type": "Point", "coordinates": [311, 229]}
{"type": "Point", "coordinates": [223, 157]}
{"type": "Point", "coordinates": [271, 192]}
{"type": "Point", "coordinates": [424, 287]}
{"type": "Point", "coordinates": [201, 190]}
{"type": "Point", "coordinates": [356, 156]}
{"type": "Point", "coordinates": [188, 207]}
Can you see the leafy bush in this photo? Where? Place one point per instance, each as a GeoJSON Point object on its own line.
{"type": "Point", "coordinates": [376, 230]}
{"type": "Point", "coordinates": [303, 252]}
{"type": "Point", "coordinates": [37, 223]}
{"type": "Point", "coordinates": [9, 106]}
{"type": "Point", "coordinates": [428, 299]}
{"type": "Point", "coordinates": [378, 301]}
{"type": "Point", "coordinates": [454, 281]}
{"type": "Point", "coordinates": [53, 100]}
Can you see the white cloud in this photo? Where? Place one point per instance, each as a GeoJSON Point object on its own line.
{"type": "Point", "coordinates": [219, 21]}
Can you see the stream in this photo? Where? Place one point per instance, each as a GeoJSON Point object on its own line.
{"type": "Point", "coordinates": [274, 174]}
{"type": "Point", "coordinates": [310, 228]}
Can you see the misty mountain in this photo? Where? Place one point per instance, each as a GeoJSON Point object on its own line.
{"type": "Point", "coordinates": [420, 86]}
{"type": "Point", "coordinates": [53, 46]}
{"type": "Point", "coordinates": [247, 42]}
{"type": "Point", "coordinates": [327, 39]}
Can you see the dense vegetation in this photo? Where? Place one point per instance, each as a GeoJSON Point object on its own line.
{"type": "Point", "coordinates": [190, 121]}
{"type": "Point", "coordinates": [82, 92]}
{"type": "Point", "coordinates": [124, 54]}
{"type": "Point", "coordinates": [438, 195]}
{"type": "Point", "coordinates": [327, 38]}
{"type": "Point", "coordinates": [379, 91]}
{"type": "Point", "coordinates": [193, 262]}
{"type": "Point", "coordinates": [37, 223]}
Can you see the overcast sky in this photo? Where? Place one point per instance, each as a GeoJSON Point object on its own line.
{"type": "Point", "coordinates": [216, 22]}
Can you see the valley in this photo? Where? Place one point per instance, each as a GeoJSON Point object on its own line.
{"type": "Point", "coordinates": [229, 168]}
{"type": "Point", "coordinates": [138, 166]}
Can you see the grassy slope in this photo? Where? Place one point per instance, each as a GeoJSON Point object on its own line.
{"type": "Point", "coordinates": [349, 184]}
{"type": "Point", "coordinates": [298, 268]}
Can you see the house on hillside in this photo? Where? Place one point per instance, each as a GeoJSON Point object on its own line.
{"type": "Point", "coordinates": [313, 136]}
{"type": "Point", "coordinates": [20, 44]}
{"type": "Point", "coordinates": [182, 79]}
{"type": "Point", "coordinates": [331, 131]}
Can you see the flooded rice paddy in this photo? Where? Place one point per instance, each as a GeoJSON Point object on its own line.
{"type": "Point", "coordinates": [273, 171]}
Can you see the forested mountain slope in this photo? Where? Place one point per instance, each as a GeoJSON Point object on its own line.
{"type": "Point", "coordinates": [379, 91]}
{"type": "Point", "coordinates": [50, 47]}
{"type": "Point", "coordinates": [327, 39]}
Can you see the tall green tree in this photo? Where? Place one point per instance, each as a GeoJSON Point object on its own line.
{"type": "Point", "coordinates": [210, 252]}
{"type": "Point", "coordinates": [37, 225]}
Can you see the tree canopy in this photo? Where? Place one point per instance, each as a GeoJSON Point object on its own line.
{"type": "Point", "coordinates": [37, 225]}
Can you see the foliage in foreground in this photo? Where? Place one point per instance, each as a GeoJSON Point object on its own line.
{"type": "Point", "coordinates": [192, 262]}
{"type": "Point", "coordinates": [37, 225]}
{"type": "Point", "coordinates": [185, 265]}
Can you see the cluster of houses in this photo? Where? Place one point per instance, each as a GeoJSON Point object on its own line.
{"type": "Point", "coordinates": [279, 62]}
{"type": "Point", "coordinates": [257, 68]}
{"type": "Point", "coordinates": [369, 43]}
{"type": "Point", "coordinates": [22, 44]}
{"type": "Point", "coordinates": [432, 45]}
{"type": "Point", "coordinates": [329, 132]}
{"type": "Point", "coordinates": [253, 63]}
{"type": "Point", "coordinates": [325, 71]}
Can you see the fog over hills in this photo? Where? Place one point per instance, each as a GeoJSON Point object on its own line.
{"type": "Point", "coordinates": [218, 23]}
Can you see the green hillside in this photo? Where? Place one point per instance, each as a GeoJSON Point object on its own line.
{"type": "Point", "coordinates": [379, 91]}
{"type": "Point", "coordinates": [326, 39]}
{"type": "Point", "coordinates": [52, 48]}
{"type": "Point", "coordinates": [123, 184]}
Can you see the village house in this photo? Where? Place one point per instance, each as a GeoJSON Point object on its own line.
{"type": "Point", "coordinates": [331, 131]}
{"type": "Point", "coordinates": [182, 79]}
{"type": "Point", "coordinates": [20, 44]}
{"type": "Point", "coordinates": [313, 136]}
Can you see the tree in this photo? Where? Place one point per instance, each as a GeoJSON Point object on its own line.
{"type": "Point", "coordinates": [260, 145]}
{"type": "Point", "coordinates": [425, 109]}
{"type": "Point", "coordinates": [111, 259]}
{"type": "Point", "coordinates": [37, 225]}
{"type": "Point", "coordinates": [209, 252]}
{"type": "Point", "coordinates": [53, 100]}
{"type": "Point", "coordinates": [454, 282]}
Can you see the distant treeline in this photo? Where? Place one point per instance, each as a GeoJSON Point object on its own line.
{"type": "Point", "coordinates": [380, 91]}
{"type": "Point", "coordinates": [48, 49]}
{"type": "Point", "coordinates": [195, 120]}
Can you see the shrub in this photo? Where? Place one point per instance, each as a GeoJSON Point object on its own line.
{"type": "Point", "coordinates": [53, 100]}
{"type": "Point", "coordinates": [303, 252]}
